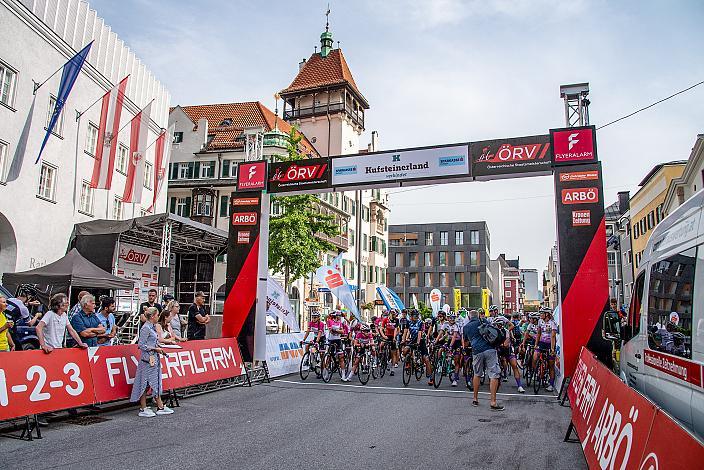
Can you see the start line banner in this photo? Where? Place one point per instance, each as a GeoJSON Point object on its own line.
{"type": "Point", "coordinates": [284, 353]}
{"type": "Point", "coordinates": [620, 428]}
{"type": "Point", "coordinates": [33, 382]}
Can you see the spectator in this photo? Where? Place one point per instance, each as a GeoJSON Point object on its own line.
{"type": "Point", "coordinates": [86, 323]}
{"type": "Point", "coordinates": [175, 320]}
{"type": "Point", "coordinates": [151, 302]}
{"type": "Point", "coordinates": [149, 368]}
{"type": "Point", "coordinates": [53, 326]}
{"type": "Point", "coordinates": [76, 308]}
{"type": "Point", "coordinates": [197, 317]}
{"type": "Point", "coordinates": [6, 343]}
{"type": "Point", "coordinates": [485, 359]}
{"type": "Point", "coordinates": [34, 308]}
{"type": "Point", "coordinates": [106, 317]}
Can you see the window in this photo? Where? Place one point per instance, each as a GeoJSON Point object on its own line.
{"type": "Point", "coordinates": [58, 127]}
{"type": "Point", "coordinates": [507, 283]}
{"type": "Point", "coordinates": [47, 182]}
{"type": "Point", "coordinates": [507, 294]}
{"type": "Point", "coordinates": [4, 159]}
{"type": "Point", "coordinates": [428, 279]}
{"type": "Point", "coordinates": [183, 171]}
{"type": "Point", "coordinates": [459, 238]}
{"type": "Point", "coordinates": [443, 238]}
{"type": "Point", "coordinates": [365, 242]}
{"type": "Point", "coordinates": [276, 208]}
{"type": "Point", "coordinates": [207, 169]}
{"type": "Point", "coordinates": [148, 175]}
{"type": "Point", "coordinates": [443, 279]}
{"type": "Point", "coordinates": [228, 169]}
{"type": "Point", "coordinates": [474, 258]}
{"type": "Point", "coordinates": [398, 279]}
{"type": "Point", "coordinates": [474, 237]}
{"type": "Point", "coordinates": [92, 139]}
{"type": "Point", "coordinates": [670, 291]}
{"type": "Point", "coordinates": [363, 272]}
{"type": "Point", "coordinates": [398, 258]}
{"type": "Point", "coordinates": [351, 237]}
{"type": "Point", "coordinates": [178, 137]}
{"type": "Point", "coordinates": [224, 201]}
{"type": "Point", "coordinates": [429, 238]}
{"type": "Point", "coordinates": [117, 208]}
{"type": "Point", "coordinates": [459, 258]}
{"type": "Point", "coordinates": [204, 205]}
{"type": "Point", "coordinates": [426, 298]}
{"type": "Point", "coordinates": [651, 220]}
{"type": "Point", "coordinates": [413, 279]}
{"type": "Point", "coordinates": [474, 279]}
{"type": "Point", "coordinates": [443, 258]}
{"type": "Point", "coordinates": [365, 210]}
{"type": "Point", "coordinates": [459, 279]}
{"type": "Point", "coordinates": [183, 206]}
{"type": "Point", "coordinates": [413, 260]}
{"type": "Point", "coordinates": [427, 259]}
{"type": "Point", "coordinates": [636, 231]}
{"type": "Point", "coordinates": [8, 77]}
{"type": "Point", "coordinates": [611, 258]}
{"type": "Point", "coordinates": [121, 159]}
{"type": "Point", "coordinates": [86, 203]}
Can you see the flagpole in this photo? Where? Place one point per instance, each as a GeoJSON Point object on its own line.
{"type": "Point", "coordinates": [130, 121]}
{"type": "Point", "coordinates": [75, 162]}
{"type": "Point", "coordinates": [81, 113]}
{"type": "Point", "coordinates": [37, 86]}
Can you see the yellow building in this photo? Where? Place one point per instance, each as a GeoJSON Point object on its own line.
{"type": "Point", "coordinates": [647, 204]}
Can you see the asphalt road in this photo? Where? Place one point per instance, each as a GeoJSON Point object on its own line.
{"type": "Point", "coordinates": [290, 424]}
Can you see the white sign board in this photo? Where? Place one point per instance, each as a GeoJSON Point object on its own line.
{"type": "Point", "coordinates": [284, 353]}
{"type": "Point", "coordinates": [138, 264]}
{"type": "Point", "coordinates": [401, 165]}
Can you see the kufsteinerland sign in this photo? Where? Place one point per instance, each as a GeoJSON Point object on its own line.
{"type": "Point", "coordinates": [402, 165]}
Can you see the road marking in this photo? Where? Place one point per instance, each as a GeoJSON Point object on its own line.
{"type": "Point", "coordinates": [412, 388]}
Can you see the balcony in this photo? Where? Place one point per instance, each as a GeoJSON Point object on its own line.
{"type": "Point", "coordinates": [341, 242]}
{"type": "Point", "coordinates": [323, 109]}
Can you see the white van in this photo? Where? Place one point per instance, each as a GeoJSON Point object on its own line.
{"type": "Point", "coordinates": [662, 353]}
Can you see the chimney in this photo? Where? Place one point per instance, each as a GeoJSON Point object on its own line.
{"type": "Point", "coordinates": [624, 198]}
{"type": "Point", "coordinates": [301, 64]}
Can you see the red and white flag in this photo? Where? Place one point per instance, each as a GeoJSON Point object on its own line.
{"type": "Point", "coordinates": [139, 131]}
{"type": "Point", "coordinates": [162, 153]}
{"type": "Point", "coordinates": [106, 146]}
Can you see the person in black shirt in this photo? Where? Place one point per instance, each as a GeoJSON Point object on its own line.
{"type": "Point", "coordinates": [197, 317]}
{"type": "Point", "coordinates": [151, 302]}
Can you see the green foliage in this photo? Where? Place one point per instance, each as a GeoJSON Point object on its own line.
{"type": "Point", "coordinates": [424, 310]}
{"type": "Point", "coordinates": [294, 248]}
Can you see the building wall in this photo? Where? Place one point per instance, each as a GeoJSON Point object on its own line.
{"type": "Point", "coordinates": [530, 279]}
{"type": "Point", "coordinates": [35, 45]}
{"type": "Point", "coordinates": [402, 255]}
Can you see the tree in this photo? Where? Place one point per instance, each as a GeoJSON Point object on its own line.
{"type": "Point", "coordinates": [294, 247]}
{"type": "Point", "coordinates": [424, 310]}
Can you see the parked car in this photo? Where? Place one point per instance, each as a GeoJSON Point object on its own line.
{"type": "Point", "coordinates": [24, 336]}
{"type": "Point", "coordinates": [272, 325]}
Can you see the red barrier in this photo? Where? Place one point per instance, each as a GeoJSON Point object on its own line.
{"type": "Point", "coordinates": [32, 382]}
{"type": "Point", "coordinates": [620, 428]}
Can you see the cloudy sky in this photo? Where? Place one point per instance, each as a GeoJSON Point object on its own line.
{"type": "Point", "coordinates": [442, 71]}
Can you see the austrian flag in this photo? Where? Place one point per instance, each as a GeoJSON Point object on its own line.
{"type": "Point", "coordinates": [106, 146]}
{"type": "Point", "coordinates": [139, 131]}
{"type": "Point", "coordinates": [162, 152]}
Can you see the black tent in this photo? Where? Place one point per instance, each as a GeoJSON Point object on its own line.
{"type": "Point", "coordinates": [71, 270]}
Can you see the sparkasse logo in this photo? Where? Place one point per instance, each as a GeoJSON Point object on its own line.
{"type": "Point", "coordinates": [573, 145]}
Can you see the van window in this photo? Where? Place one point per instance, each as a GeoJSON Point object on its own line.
{"type": "Point", "coordinates": [670, 294]}
{"type": "Point", "coordinates": [633, 327]}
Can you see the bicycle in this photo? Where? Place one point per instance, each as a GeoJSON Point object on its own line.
{"type": "Point", "coordinates": [311, 360]}
{"type": "Point", "coordinates": [408, 364]}
{"type": "Point", "coordinates": [365, 367]}
{"type": "Point", "coordinates": [542, 374]}
{"type": "Point", "coordinates": [528, 365]}
{"type": "Point", "coordinates": [330, 364]}
{"type": "Point", "coordinates": [468, 368]}
{"type": "Point", "coordinates": [442, 366]}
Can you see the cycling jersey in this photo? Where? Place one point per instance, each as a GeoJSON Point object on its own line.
{"type": "Point", "coordinates": [334, 325]}
{"type": "Point", "coordinates": [363, 339]}
{"type": "Point", "coordinates": [389, 325]}
{"type": "Point", "coordinates": [315, 327]}
{"type": "Point", "coordinates": [453, 329]}
{"type": "Point", "coordinates": [414, 328]}
{"type": "Point", "coordinates": [531, 330]}
{"type": "Point", "coordinates": [546, 329]}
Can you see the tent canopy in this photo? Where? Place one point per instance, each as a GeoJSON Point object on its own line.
{"type": "Point", "coordinates": [71, 270]}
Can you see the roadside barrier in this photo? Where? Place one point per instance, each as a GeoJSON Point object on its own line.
{"type": "Point", "coordinates": [620, 428]}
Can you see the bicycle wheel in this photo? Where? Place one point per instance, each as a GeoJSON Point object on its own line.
{"type": "Point", "coordinates": [364, 369]}
{"type": "Point", "coordinates": [316, 364]}
{"type": "Point", "coordinates": [418, 364]}
{"type": "Point", "coordinates": [407, 369]}
{"type": "Point", "coordinates": [439, 370]}
{"type": "Point", "coordinates": [304, 368]}
{"type": "Point", "coordinates": [374, 366]}
{"type": "Point", "coordinates": [329, 369]}
{"type": "Point", "coordinates": [468, 372]}
{"type": "Point", "coordinates": [383, 361]}
{"type": "Point", "coordinates": [538, 376]}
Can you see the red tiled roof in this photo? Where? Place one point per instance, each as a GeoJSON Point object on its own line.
{"type": "Point", "coordinates": [319, 71]}
{"type": "Point", "coordinates": [242, 116]}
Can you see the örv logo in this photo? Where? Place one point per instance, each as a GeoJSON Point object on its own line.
{"type": "Point", "coordinates": [244, 218]}
{"type": "Point", "coordinates": [580, 196]}
{"type": "Point", "coordinates": [134, 257]}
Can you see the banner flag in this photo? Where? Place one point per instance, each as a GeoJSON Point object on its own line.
{"type": "Point", "coordinates": [390, 298]}
{"type": "Point", "coordinates": [68, 77]}
{"type": "Point", "coordinates": [435, 296]}
{"type": "Point", "coordinates": [279, 305]}
{"type": "Point", "coordinates": [162, 153]}
{"type": "Point", "coordinates": [337, 262]}
{"type": "Point", "coordinates": [415, 301]}
{"type": "Point", "coordinates": [139, 130]}
{"type": "Point", "coordinates": [458, 299]}
{"type": "Point", "coordinates": [446, 308]}
{"type": "Point", "coordinates": [336, 282]}
{"type": "Point", "coordinates": [106, 147]}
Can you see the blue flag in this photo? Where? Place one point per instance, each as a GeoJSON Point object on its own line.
{"type": "Point", "coordinates": [68, 77]}
{"type": "Point", "coordinates": [391, 300]}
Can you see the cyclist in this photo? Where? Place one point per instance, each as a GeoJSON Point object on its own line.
{"type": "Point", "coordinates": [545, 342]}
{"type": "Point", "coordinates": [335, 331]}
{"type": "Point", "coordinates": [493, 310]}
{"type": "Point", "coordinates": [361, 340]}
{"type": "Point", "coordinates": [317, 328]}
{"type": "Point", "coordinates": [506, 351]}
{"type": "Point", "coordinates": [402, 323]}
{"type": "Point", "coordinates": [414, 337]}
{"type": "Point", "coordinates": [454, 340]}
{"type": "Point", "coordinates": [389, 331]}
{"type": "Point", "coordinates": [529, 337]}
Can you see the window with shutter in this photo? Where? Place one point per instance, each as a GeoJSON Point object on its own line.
{"type": "Point", "coordinates": [187, 209]}
{"type": "Point", "coordinates": [190, 170]}
{"type": "Point", "coordinates": [226, 168]}
{"type": "Point", "coordinates": [172, 205]}
{"type": "Point", "coordinates": [196, 170]}
{"type": "Point", "coordinates": [223, 206]}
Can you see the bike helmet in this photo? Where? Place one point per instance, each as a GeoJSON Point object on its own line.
{"type": "Point", "coordinates": [545, 310]}
{"type": "Point", "coordinates": [480, 311]}
{"type": "Point", "coordinates": [451, 316]}
{"type": "Point", "coordinates": [429, 321]}
{"type": "Point", "coordinates": [374, 319]}
{"type": "Point", "coordinates": [414, 313]}
{"type": "Point", "coordinates": [315, 314]}
{"type": "Point", "coordinates": [534, 315]}
{"type": "Point", "coordinates": [365, 328]}
{"type": "Point", "coordinates": [499, 321]}
{"type": "Point", "coordinates": [493, 308]}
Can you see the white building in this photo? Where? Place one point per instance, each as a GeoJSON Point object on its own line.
{"type": "Point", "coordinates": [691, 181]}
{"type": "Point", "coordinates": [39, 208]}
{"type": "Point", "coordinates": [530, 280]}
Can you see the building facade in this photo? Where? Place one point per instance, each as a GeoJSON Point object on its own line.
{"type": "Point", "coordinates": [497, 267]}
{"type": "Point", "coordinates": [691, 180]}
{"type": "Point", "coordinates": [423, 257]}
{"type": "Point", "coordinates": [551, 290]}
{"type": "Point", "coordinates": [47, 198]}
{"type": "Point", "coordinates": [531, 280]}
{"type": "Point", "coordinates": [614, 251]}
{"type": "Point", "coordinates": [646, 206]}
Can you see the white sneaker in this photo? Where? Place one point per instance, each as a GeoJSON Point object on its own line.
{"type": "Point", "coordinates": [454, 383]}
{"type": "Point", "coordinates": [550, 388]}
{"type": "Point", "coordinates": [146, 413]}
{"type": "Point", "coordinates": [521, 390]}
{"type": "Point", "coordinates": [164, 411]}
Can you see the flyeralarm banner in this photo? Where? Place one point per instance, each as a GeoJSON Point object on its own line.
{"type": "Point", "coordinates": [573, 145]}
{"type": "Point", "coordinates": [402, 165]}
{"type": "Point", "coordinates": [299, 175]}
{"type": "Point", "coordinates": [511, 157]}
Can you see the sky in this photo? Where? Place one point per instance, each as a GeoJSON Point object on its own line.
{"type": "Point", "coordinates": [446, 71]}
